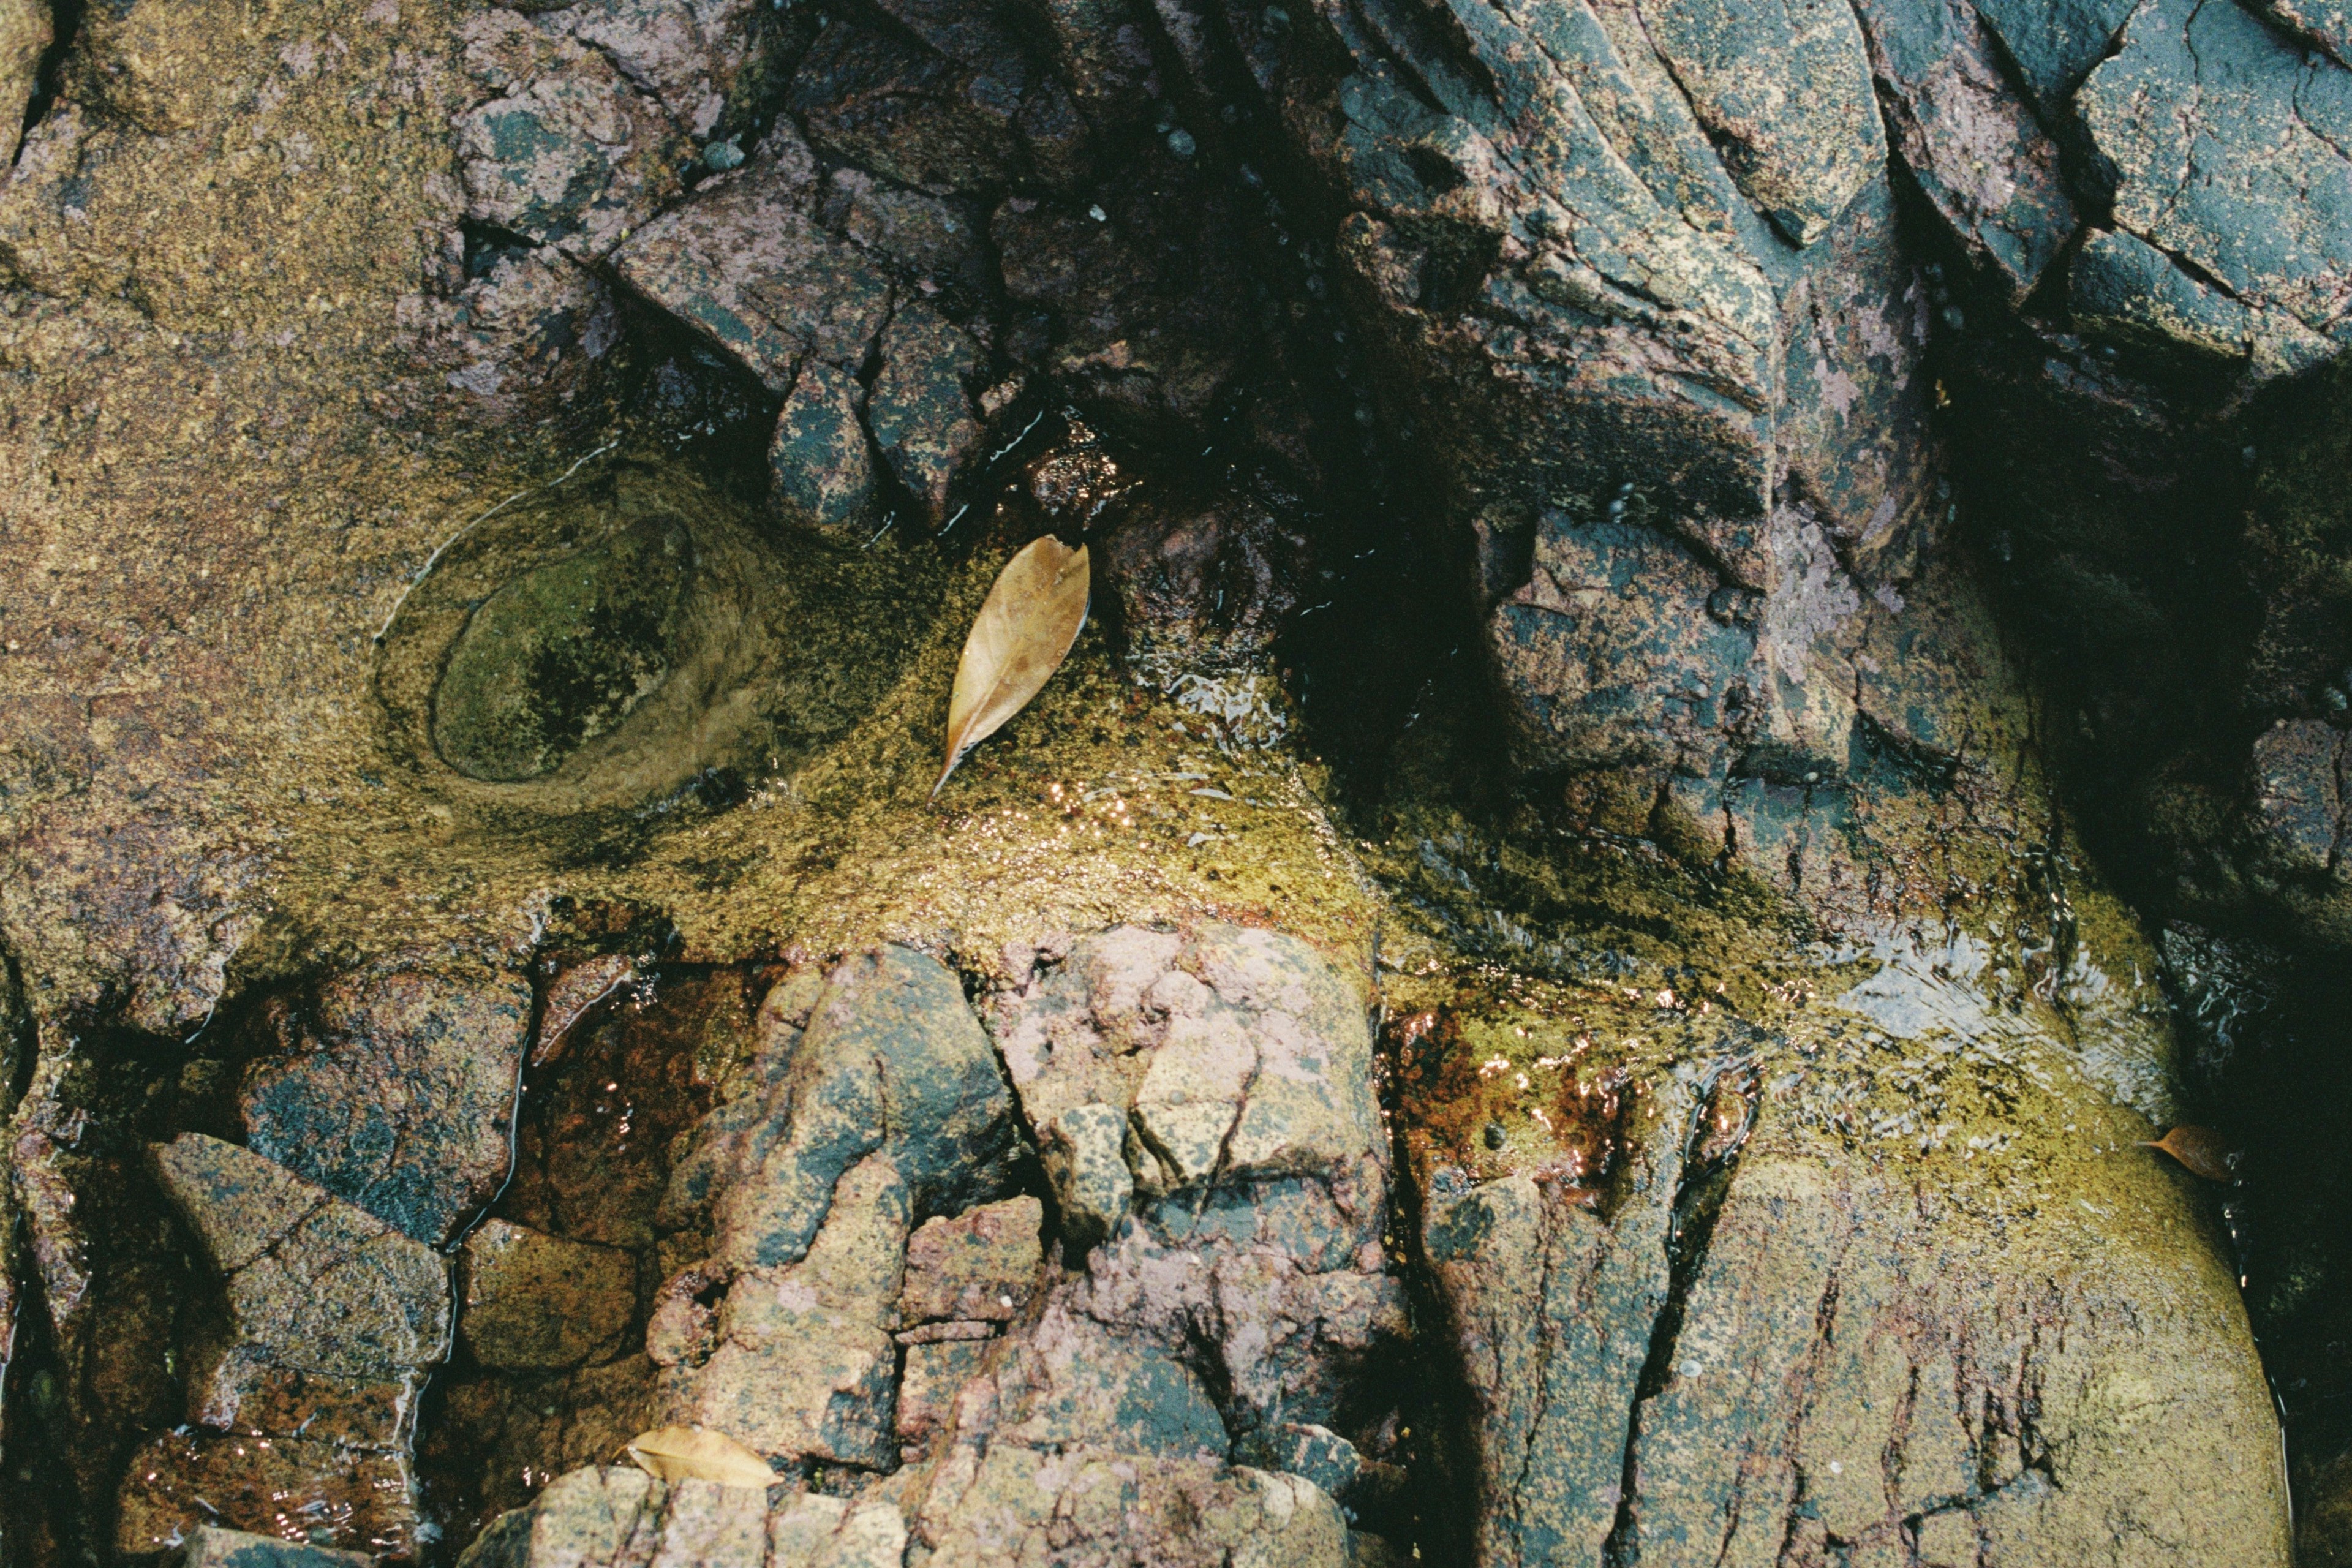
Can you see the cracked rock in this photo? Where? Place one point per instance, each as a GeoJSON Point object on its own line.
{"type": "Point", "coordinates": [1969, 137]}
{"type": "Point", "coordinates": [800, 1364]}
{"type": "Point", "coordinates": [314, 1283]}
{"type": "Point", "coordinates": [394, 1091]}
{"type": "Point", "coordinates": [567, 153]}
{"type": "Point", "coordinates": [980, 1265]}
{"type": "Point", "coordinates": [334, 1315]}
{"type": "Point", "coordinates": [2228, 146]}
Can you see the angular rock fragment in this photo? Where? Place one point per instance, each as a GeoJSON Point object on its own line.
{"type": "Point", "coordinates": [1969, 137]}
{"type": "Point", "coordinates": [892, 1061]}
{"type": "Point", "coordinates": [687, 55]}
{"type": "Point", "coordinates": [821, 458]}
{"type": "Point", "coordinates": [2055, 46]}
{"type": "Point", "coordinates": [536, 1301]}
{"type": "Point", "coordinates": [567, 153]}
{"type": "Point", "coordinates": [809, 1531]}
{"type": "Point", "coordinates": [800, 1364]}
{"type": "Point", "coordinates": [980, 1265]}
{"type": "Point", "coordinates": [941, 96]}
{"type": "Point", "coordinates": [394, 1091]}
{"type": "Point", "coordinates": [934, 1374]}
{"type": "Point", "coordinates": [1531, 1277]}
{"type": "Point", "coordinates": [1257, 1166]}
{"type": "Point", "coordinates": [1614, 343]}
{"type": "Point", "coordinates": [1085, 1155]}
{"type": "Point", "coordinates": [741, 263]}
{"type": "Point", "coordinates": [920, 410]}
{"type": "Point", "coordinates": [938, 244]}
{"type": "Point", "coordinates": [529, 336]}
{"type": "Point", "coordinates": [600, 1516]}
{"type": "Point", "coordinates": [314, 1284]}
{"type": "Point", "coordinates": [304, 1421]}
{"type": "Point", "coordinates": [1788, 89]}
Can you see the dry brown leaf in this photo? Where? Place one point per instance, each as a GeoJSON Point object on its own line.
{"type": "Point", "coordinates": [1020, 638]}
{"type": "Point", "coordinates": [2201, 1151]}
{"type": "Point", "coordinates": [674, 1454]}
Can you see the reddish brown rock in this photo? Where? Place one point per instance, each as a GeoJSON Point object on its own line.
{"type": "Point", "coordinates": [538, 1303]}
{"type": "Point", "coordinates": [982, 1265]}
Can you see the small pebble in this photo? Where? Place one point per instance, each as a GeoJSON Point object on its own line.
{"type": "Point", "coordinates": [1179, 142]}
{"type": "Point", "coordinates": [721, 156]}
{"type": "Point", "coordinates": [1095, 213]}
{"type": "Point", "coordinates": [1625, 488]}
{"type": "Point", "coordinates": [1617, 509]}
{"type": "Point", "coordinates": [1496, 1136]}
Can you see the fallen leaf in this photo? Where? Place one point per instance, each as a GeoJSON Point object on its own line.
{"type": "Point", "coordinates": [673, 1454]}
{"type": "Point", "coordinates": [1020, 638]}
{"type": "Point", "coordinates": [2201, 1151]}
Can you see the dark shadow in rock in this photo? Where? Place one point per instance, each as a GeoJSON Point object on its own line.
{"type": "Point", "coordinates": [110, 1306]}
{"type": "Point", "coordinates": [548, 1371]}
{"type": "Point", "coordinates": [2266, 1035]}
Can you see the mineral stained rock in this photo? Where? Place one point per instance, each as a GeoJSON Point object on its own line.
{"type": "Point", "coordinates": [1650, 1070]}
{"type": "Point", "coordinates": [393, 1092]}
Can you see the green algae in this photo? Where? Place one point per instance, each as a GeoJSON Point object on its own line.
{"type": "Point", "coordinates": [559, 655]}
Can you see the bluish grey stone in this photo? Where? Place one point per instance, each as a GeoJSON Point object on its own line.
{"type": "Point", "coordinates": [820, 459]}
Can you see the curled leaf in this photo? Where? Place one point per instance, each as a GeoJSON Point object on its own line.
{"type": "Point", "coordinates": [674, 1454]}
{"type": "Point", "coordinates": [2201, 1151]}
{"type": "Point", "coordinates": [1020, 638]}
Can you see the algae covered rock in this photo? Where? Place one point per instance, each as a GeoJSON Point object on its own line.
{"type": "Point", "coordinates": [1649, 1074]}
{"type": "Point", "coordinates": [560, 655]}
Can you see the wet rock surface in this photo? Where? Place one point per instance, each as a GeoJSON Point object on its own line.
{"type": "Point", "coordinates": [1531, 992]}
{"type": "Point", "coordinates": [394, 1092]}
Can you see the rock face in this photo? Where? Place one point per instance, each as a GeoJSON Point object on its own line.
{"type": "Point", "coordinates": [1864, 1409]}
{"type": "Point", "coordinates": [1648, 1075]}
{"type": "Point", "coordinates": [1018, 1388]}
{"type": "Point", "coordinates": [1629, 380]}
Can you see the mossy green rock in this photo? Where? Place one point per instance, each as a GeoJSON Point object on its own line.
{"type": "Point", "coordinates": [560, 655]}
